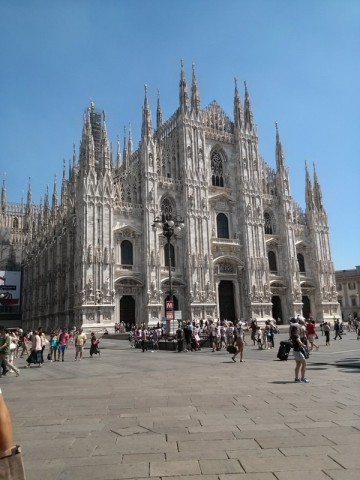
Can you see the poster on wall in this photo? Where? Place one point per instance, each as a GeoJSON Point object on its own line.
{"type": "Point", "coordinates": [10, 288]}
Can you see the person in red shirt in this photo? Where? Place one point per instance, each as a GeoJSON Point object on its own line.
{"type": "Point", "coordinates": [311, 334]}
{"type": "Point", "coordinates": [63, 343]}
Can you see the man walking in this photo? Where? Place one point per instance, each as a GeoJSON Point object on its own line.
{"type": "Point", "coordinates": [5, 341]}
{"type": "Point", "coordinates": [63, 343]}
{"type": "Point", "coordinates": [80, 340]}
{"type": "Point", "coordinates": [337, 330]}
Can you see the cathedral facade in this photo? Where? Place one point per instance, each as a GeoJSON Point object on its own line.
{"type": "Point", "coordinates": [92, 257]}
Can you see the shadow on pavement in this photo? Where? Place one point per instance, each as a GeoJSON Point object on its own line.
{"type": "Point", "coordinates": [350, 365]}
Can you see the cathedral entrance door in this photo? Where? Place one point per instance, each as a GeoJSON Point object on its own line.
{"type": "Point", "coordinates": [276, 308]}
{"type": "Point", "coordinates": [127, 310]}
{"type": "Point", "coordinates": [226, 300]}
{"type": "Point", "coordinates": [306, 306]}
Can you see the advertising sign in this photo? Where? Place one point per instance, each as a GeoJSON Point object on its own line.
{"type": "Point", "coordinates": [10, 288]}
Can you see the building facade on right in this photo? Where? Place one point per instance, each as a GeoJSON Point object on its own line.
{"type": "Point", "coordinates": [348, 287]}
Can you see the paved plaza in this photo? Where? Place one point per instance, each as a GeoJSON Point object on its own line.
{"type": "Point", "coordinates": [189, 415]}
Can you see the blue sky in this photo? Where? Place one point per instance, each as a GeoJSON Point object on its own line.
{"type": "Point", "coordinates": [300, 61]}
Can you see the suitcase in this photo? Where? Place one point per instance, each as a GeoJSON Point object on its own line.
{"type": "Point", "coordinates": [284, 350]}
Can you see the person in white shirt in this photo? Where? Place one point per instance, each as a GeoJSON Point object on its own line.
{"type": "Point", "coordinates": [239, 340]}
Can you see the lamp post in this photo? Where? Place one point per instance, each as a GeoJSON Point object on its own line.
{"type": "Point", "coordinates": [170, 225]}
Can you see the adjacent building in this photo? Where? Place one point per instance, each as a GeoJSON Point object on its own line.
{"type": "Point", "coordinates": [90, 255]}
{"type": "Point", "coordinates": [348, 288]}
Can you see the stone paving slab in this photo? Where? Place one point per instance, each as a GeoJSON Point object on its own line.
{"type": "Point", "coordinates": [220, 466]}
{"type": "Point", "coordinates": [247, 476]}
{"type": "Point", "coordinates": [295, 441]}
{"type": "Point", "coordinates": [349, 474]}
{"type": "Point", "coordinates": [281, 464]}
{"type": "Point", "coordinates": [218, 445]}
{"type": "Point", "coordinates": [111, 472]}
{"type": "Point", "coordinates": [301, 474]}
{"type": "Point", "coordinates": [177, 468]}
{"type": "Point", "coordinates": [308, 451]}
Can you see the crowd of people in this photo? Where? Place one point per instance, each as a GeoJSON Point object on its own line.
{"type": "Point", "coordinates": [189, 336]}
{"type": "Point", "coordinates": [15, 343]}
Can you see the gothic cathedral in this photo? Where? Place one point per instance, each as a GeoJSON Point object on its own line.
{"type": "Point", "coordinates": [93, 257]}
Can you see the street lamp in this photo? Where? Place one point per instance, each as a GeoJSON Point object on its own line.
{"type": "Point", "coordinates": [170, 225]}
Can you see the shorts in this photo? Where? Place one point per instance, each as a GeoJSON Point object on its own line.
{"type": "Point", "coordinates": [311, 338]}
{"type": "Point", "coordinates": [79, 348]}
{"type": "Point", "coordinates": [298, 356]}
{"type": "Point", "coordinates": [61, 348]}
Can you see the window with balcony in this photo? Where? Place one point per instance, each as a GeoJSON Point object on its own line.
{"type": "Point", "coordinates": [272, 261]}
{"type": "Point", "coordinates": [126, 253]}
{"type": "Point", "coordinates": [301, 262]}
{"type": "Point", "coordinates": [269, 224]}
{"type": "Point", "coordinates": [222, 224]}
{"type": "Point", "coordinates": [217, 177]}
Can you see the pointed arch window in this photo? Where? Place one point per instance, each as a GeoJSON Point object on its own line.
{"type": "Point", "coordinates": [169, 255]}
{"type": "Point", "coordinates": [217, 174]}
{"type": "Point", "coordinates": [16, 223]}
{"type": "Point", "coordinates": [167, 210]}
{"type": "Point", "coordinates": [272, 261]}
{"type": "Point", "coordinates": [269, 224]}
{"type": "Point", "coordinates": [126, 253]}
{"type": "Point", "coordinates": [301, 262]}
{"type": "Point", "coordinates": [222, 224]}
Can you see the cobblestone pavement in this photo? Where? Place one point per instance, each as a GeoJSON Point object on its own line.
{"type": "Point", "coordinates": [194, 415]}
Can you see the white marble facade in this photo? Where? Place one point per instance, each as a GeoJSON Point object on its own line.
{"type": "Point", "coordinates": [247, 250]}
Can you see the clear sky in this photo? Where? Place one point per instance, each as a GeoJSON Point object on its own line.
{"type": "Point", "coordinates": [300, 60]}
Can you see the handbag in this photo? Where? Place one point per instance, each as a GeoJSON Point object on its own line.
{"type": "Point", "coordinates": [231, 349]}
{"type": "Point", "coordinates": [11, 465]}
{"type": "Point", "coordinates": [305, 352]}
{"type": "Point", "coordinates": [13, 346]}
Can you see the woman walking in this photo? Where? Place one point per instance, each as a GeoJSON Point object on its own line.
{"type": "Point", "coordinates": [299, 354]}
{"type": "Point", "coordinates": [239, 341]}
{"type": "Point", "coordinates": [311, 334]}
{"type": "Point", "coordinates": [36, 350]}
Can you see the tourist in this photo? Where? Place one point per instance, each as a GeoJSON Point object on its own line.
{"type": "Point", "coordinates": [230, 334]}
{"type": "Point", "coordinates": [53, 345]}
{"type": "Point", "coordinates": [14, 345]}
{"type": "Point", "coordinates": [24, 344]}
{"type": "Point", "coordinates": [43, 342]}
{"type": "Point", "coordinates": [94, 345]}
{"type": "Point", "coordinates": [80, 340]}
{"type": "Point", "coordinates": [327, 333]}
{"type": "Point", "coordinates": [239, 340]}
{"type": "Point", "coordinates": [5, 342]}
{"type": "Point", "coordinates": [63, 344]}
{"type": "Point", "coordinates": [71, 336]}
{"type": "Point", "coordinates": [144, 339]}
{"type": "Point", "coordinates": [36, 350]}
{"type": "Point", "coordinates": [253, 327]}
{"type": "Point", "coordinates": [337, 329]}
{"type": "Point", "coordinates": [179, 339]}
{"type": "Point", "coordinates": [311, 334]}
{"type": "Point", "coordinates": [155, 339]}
{"type": "Point", "coordinates": [299, 354]}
